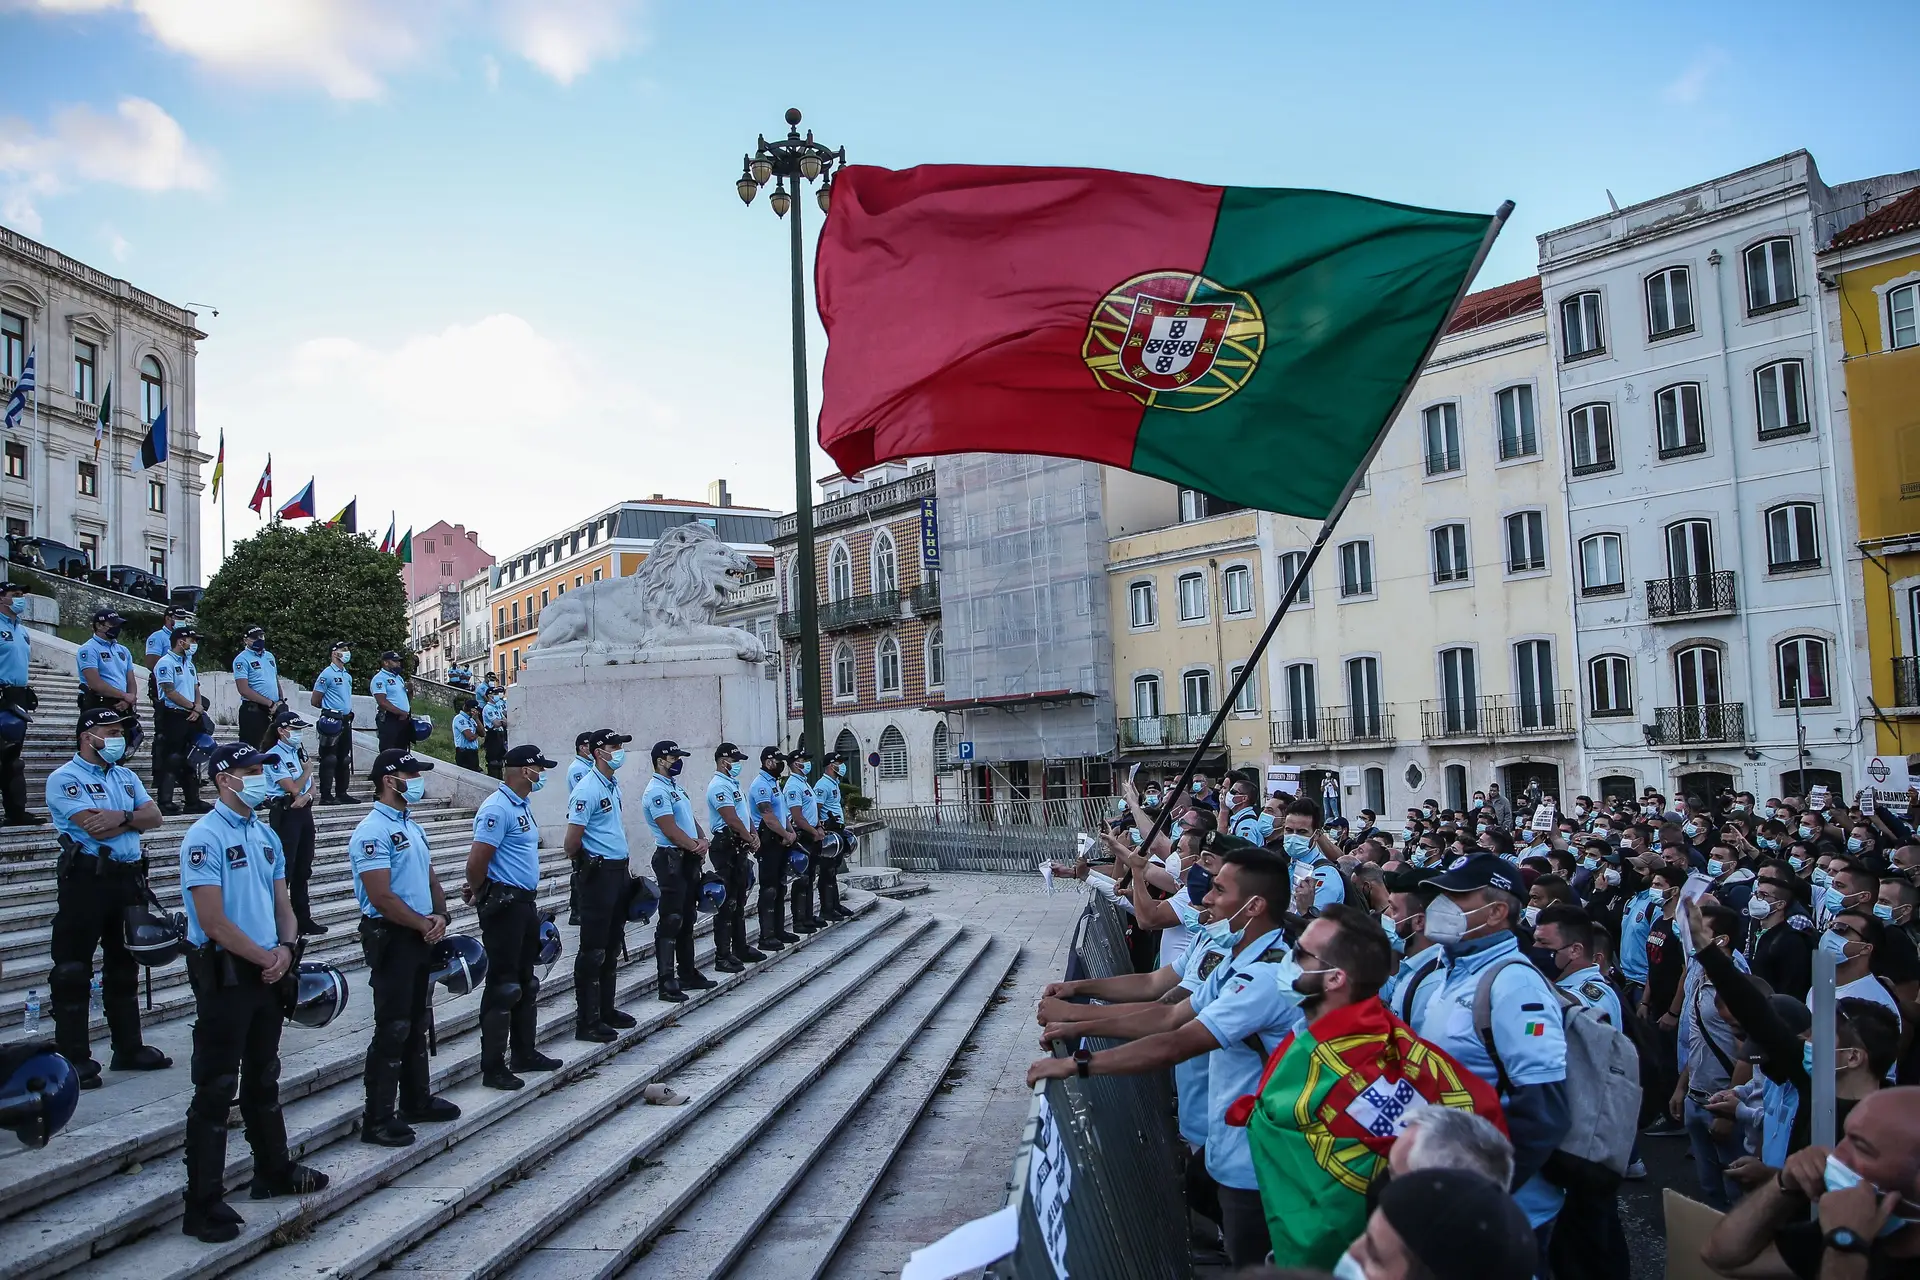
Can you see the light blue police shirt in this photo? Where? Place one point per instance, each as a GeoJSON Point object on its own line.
{"type": "Point", "coordinates": [666, 798]}
{"type": "Point", "coordinates": [1190, 1075]}
{"type": "Point", "coordinates": [466, 734]}
{"type": "Point", "coordinates": [724, 793]}
{"type": "Point", "coordinates": [765, 789]}
{"type": "Point", "coordinates": [1327, 888]}
{"type": "Point", "coordinates": [77, 786]}
{"type": "Point", "coordinates": [493, 715]}
{"type": "Point", "coordinates": [1644, 910]}
{"type": "Point", "coordinates": [1590, 987]}
{"type": "Point", "coordinates": [1246, 826]}
{"type": "Point", "coordinates": [175, 671]}
{"type": "Point", "coordinates": [594, 806]}
{"type": "Point", "coordinates": [1241, 999]}
{"type": "Point", "coordinates": [577, 768]}
{"type": "Point", "coordinates": [159, 643]}
{"type": "Point", "coordinates": [1410, 971]}
{"type": "Point", "coordinates": [110, 659]}
{"type": "Point", "coordinates": [505, 823]}
{"type": "Point", "coordinates": [15, 646]}
{"type": "Point", "coordinates": [335, 687]}
{"type": "Point", "coordinates": [391, 841]}
{"type": "Point", "coordinates": [260, 672]}
{"type": "Point", "coordinates": [827, 792]}
{"type": "Point", "coordinates": [796, 794]}
{"type": "Point", "coordinates": [1526, 1030]}
{"type": "Point", "coordinates": [286, 761]}
{"type": "Point", "coordinates": [241, 857]}
{"type": "Point", "coordinates": [393, 686]}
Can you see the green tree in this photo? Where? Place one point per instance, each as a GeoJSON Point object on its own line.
{"type": "Point", "coordinates": [308, 588]}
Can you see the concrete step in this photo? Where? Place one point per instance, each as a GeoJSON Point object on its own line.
{"type": "Point", "coordinates": [571, 1102]}
{"type": "Point", "coordinates": [21, 847]}
{"type": "Point", "coordinates": [798, 1238]}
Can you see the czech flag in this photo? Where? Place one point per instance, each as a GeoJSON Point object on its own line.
{"type": "Point", "coordinates": [300, 506]}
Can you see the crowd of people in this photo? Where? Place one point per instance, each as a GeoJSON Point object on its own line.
{"type": "Point", "coordinates": [1510, 1001]}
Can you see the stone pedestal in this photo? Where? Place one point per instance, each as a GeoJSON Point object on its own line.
{"type": "Point", "coordinates": [698, 697]}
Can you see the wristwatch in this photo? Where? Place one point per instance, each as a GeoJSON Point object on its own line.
{"type": "Point", "coordinates": [1082, 1061]}
{"type": "Point", "coordinates": [1847, 1240]}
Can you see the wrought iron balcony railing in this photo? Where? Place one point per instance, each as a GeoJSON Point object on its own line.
{"type": "Point", "coordinates": [1691, 595]}
{"type": "Point", "coordinates": [1703, 722]}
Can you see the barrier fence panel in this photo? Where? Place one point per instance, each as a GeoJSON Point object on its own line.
{"type": "Point", "coordinates": [999, 835]}
{"type": "Point", "coordinates": [1099, 1180]}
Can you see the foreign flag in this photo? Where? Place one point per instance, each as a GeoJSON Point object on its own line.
{"type": "Point", "coordinates": [17, 402]}
{"type": "Point", "coordinates": [153, 450]}
{"type": "Point", "coordinates": [100, 423]}
{"type": "Point", "coordinates": [300, 506]}
{"type": "Point", "coordinates": [220, 466]}
{"type": "Point", "coordinates": [263, 492]}
{"type": "Point", "coordinates": [348, 517]}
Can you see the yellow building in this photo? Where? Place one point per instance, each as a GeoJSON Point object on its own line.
{"type": "Point", "coordinates": [1871, 271]}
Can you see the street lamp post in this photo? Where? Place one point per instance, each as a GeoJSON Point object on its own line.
{"type": "Point", "coordinates": [794, 159]}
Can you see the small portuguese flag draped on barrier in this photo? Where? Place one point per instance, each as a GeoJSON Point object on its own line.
{"type": "Point", "coordinates": [1248, 342]}
{"type": "Point", "coordinates": [1332, 1100]}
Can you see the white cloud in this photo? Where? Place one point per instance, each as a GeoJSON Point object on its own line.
{"type": "Point", "coordinates": [119, 246]}
{"type": "Point", "coordinates": [1691, 85]}
{"type": "Point", "coordinates": [564, 38]}
{"type": "Point", "coordinates": [139, 145]}
{"type": "Point", "coordinates": [17, 211]}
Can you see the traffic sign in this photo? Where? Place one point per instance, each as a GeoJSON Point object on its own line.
{"type": "Point", "coordinates": [966, 752]}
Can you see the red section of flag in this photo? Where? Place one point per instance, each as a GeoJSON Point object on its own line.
{"type": "Point", "coordinates": [956, 301]}
{"type": "Point", "coordinates": [263, 492]}
{"type": "Point", "coordinates": [300, 506]}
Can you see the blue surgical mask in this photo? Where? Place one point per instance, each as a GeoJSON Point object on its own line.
{"type": "Point", "coordinates": [1715, 866]}
{"type": "Point", "coordinates": [1591, 864]}
{"type": "Point", "coordinates": [1839, 1178]}
{"type": "Point", "coordinates": [733, 769]}
{"type": "Point", "coordinates": [346, 656]}
{"type": "Point", "coordinates": [1855, 844]}
{"type": "Point", "coordinates": [1199, 787]}
{"type": "Point", "coordinates": [256, 789]}
{"type": "Point", "coordinates": [539, 781]}
{"type": "Point", "coordinates": [193, 648]}
{"type": "Point", "coordinates": [1391, 928]}
{"type": "Point", "coordinates": [1834, 945]}
{"type": "Point", "coordinates": [1833, 900]}
{"type": "Point", "coordinates": [1406, 835]}
{"type": "Point", "coordinates": [1883, 912]}
{"type": "Point", "coordinates": [1297, 845]}
{"type": "Point", "coordinates": [112, 749]}
{"type": "Point", "coordinates": [617, 759]}
{"type": "Point", "coordinates": [1806, 832]}
{"type": "Point", "coordinates": [1821, 878]}
{"type": "Point", "coordinates": [1286, 974]}
{"type": "Point", "coordinates": [1222, 933]}
{"type": "Point", "coordinates": [1690, 830]}
{"type": "Point", "coordinates": [415, 790]}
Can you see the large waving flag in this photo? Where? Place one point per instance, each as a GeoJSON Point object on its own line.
{"type": "Point", "coordinates": [300, 505]}
{"type": "Point", "coordinates": [220, 467]}
{"type": "Point", "coordinates": [153, 450]}
{"type": "Point", "coordinates": [348, 517]}
{"type": "Point", "coordinates": [104, 420]}
{"type": "Point", "coordinates": [17, 402]}
{"type": "Point", "coordinates": [405, 549]}
{"type": "Point", "coordinates": [387, 543]}
{"type": "Point", "coordinates": [1135, 321]}
{"type": "Point", "coordinates": [263, 492]}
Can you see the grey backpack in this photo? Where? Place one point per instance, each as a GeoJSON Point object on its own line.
{"type": "Point", "coordinates": [1603, 1085]}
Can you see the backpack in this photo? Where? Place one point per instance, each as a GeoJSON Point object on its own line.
{"type": "Point", "coordinates": [1603, 1087]}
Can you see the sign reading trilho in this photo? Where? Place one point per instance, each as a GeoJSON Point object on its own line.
{"type": "Point", "coordinates": [1175, 340]}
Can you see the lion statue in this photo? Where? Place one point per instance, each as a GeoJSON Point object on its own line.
{"type": "Point", "coordinates": [668, 603]}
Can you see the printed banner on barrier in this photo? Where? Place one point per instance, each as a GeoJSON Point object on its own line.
{"type": "Point", "coordinates": [1049, 1183]}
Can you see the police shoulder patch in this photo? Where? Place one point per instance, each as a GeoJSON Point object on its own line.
{"type": "Point", "coordinates": [1274, 954]}
{"type": "Point", "coordinates": [1210, 962]}
{"type": "Point", "coordinates": [73, 790]}
{"type": "Point", "coordinates": [369, 846]}
{"type": "Point", "coordinates": [1593, 991]}
{"type": "Point", "coordinates": [196, 856]}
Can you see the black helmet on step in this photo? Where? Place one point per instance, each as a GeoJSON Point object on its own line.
{"type": "Point", "coordinates": [713, 892]}
{"type": "Point", "coordinates": [550, 945]}
{"type": "Point", "coordinates": [153, 938]}
{"type": "Point", "coordinates": [643, 899]}
{"type": "Point", "coordinates": [459, 963]}
{"type": "Point", "coordinates": [38, 1093]}
{"type": "Point", "coordinates": [316, 996]}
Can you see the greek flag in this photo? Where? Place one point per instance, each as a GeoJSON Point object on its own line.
{"type": "Point", "coordinates": [17, 402]}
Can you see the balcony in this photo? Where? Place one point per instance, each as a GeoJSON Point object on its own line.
{"type": "Point", "coordinates": [1442, 462]}
{"type": "Point", "coordinates": [925, 599]}
{"type": "Point", "coordinates": [1692, 596]}
{"type": "Point", "coordinates": [1495, 716]}
{"type": "Point", "coordinates": [856, 612]}
{"type": "Point", "coordinates": [1292, 729]}
{"type": "Point", "coordinates": [1705, 723]}
{"type": "Point", "coordinates": [1151, 733]}
{"type": "Point", "coordinates": [1350, 726]}
{"type": "Point", "coordinates": [859, 504]}
{"type": "Point", "coordinates": [1906, 682]}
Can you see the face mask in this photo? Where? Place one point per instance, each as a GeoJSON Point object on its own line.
{"type": "Point", "coordinates": [1806, 832]}
{"type": "Point", "coordinates": [1391, 928]}
{"type": "Point", "coordinates": [1222, 933]}
{"type": "Point", "coordinates": [1767, 812]}
{"type": "Point", "coordinates": [258, 646]}
{"type": "Point", "coordinates": [539, 781]}
{"type": "Point", "coordinates": [1580, 811]}
{"type": "Point", "coordinates": [193, 648]}
{"type": "Point", "coordinates": [1715, 866]}
{"type": "Point", "coordinates": [1834, 945]}
{"type": "Point", "coordinates": [1406, 835]}
{"type": "Point", "coordinates": [1591, 864]}
{"type": "Point", "coordinates": [1446, 921]}
{"type": "Point", "coordinates": [617, 759]}
{"type": "Point", "coordinates": [1153, 795]}
{"type": "Point", "coordinates": [733, 769]}
{"type": "Point", "coordinates": [1833, 900]}
{"type": "Point", "coordinates": [1297, 845]}
{"type": "Point", "coordinates": [1611, 876]}
{"type": "Point", "coordinates": [1530, 915]}
{"type": "Point", "coordinates": [415, 790]}
{"type": "Point", "coordinates": [1480, 828]}
{"type": "Point", "coordinates": [346, 656]}
{"type": "Point", "coordinates": [1199, 787]}
{"type": "Point", "coordinates": [112, 749]}
{"type": "Point", "coordinates": [1288, 973]}
{"type": "Point", "coordinates": [1135, 834]}
{"type": "Point", "coordinates": [255, 790]}
{"type": "Point", "coordinates": [1839, 1178]}
{"type": "Point", "coordinates": [1881, 911]}
{"type": "Point", "coordinates": [1736, 808]}
{"type": "Point", "coordinates": [1769, 845]}
{"type": "Point", "coordinates": [1820, 878]}
{"type": "Point", "coordinates": [1690, 830]}
{"type": "Point", "coordinates": [673, 770]}
{"type": "Point", "coordinates": [1199, 884]}
{"type": "Point", "coordinates": [1855, 844]}
{"type": "Point", "coordinates": [1479, 800]}
{"type": "Point", "coordinates": [1759, 908]}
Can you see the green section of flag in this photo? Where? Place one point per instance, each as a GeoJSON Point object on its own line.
{"type": "Point", "coordinates": [1351, 292]}
{"type": "Point", "coordinates": [1311, 1215]}
{"type": "Point", "coordinates": [405, 550]}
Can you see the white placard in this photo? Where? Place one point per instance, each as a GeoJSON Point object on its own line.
{"type": "Point", "coordinates": [968, 1247]}
{"type": "Point", "coordinates": [1350, 775]}
{"type": "Point", "coordinates": [1545, 816]}
{"type": "Point", "coordinates": [1888, 780]}
{"type": "Point", "coordinates": [1283, 777]}
{"type": "Point", "coordinates": [1049, 1183]}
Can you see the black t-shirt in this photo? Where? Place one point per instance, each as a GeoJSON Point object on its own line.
{"type": "Point", "coordinates": [1899, 961]}
{"type": "Point", "coordinates": [1803, 1244]}
{"type": "Point", "coordinates": [1666, 966]}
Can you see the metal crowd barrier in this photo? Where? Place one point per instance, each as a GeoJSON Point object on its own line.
{"type": "Point", "coordinates": [1099, 1181]}
{"type": "Point", "coordinates": [1000, 835]}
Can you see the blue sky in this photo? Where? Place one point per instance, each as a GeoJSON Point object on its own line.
{"type": "Point", "coordinates": [482, 260]}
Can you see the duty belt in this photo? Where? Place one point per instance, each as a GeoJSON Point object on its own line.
{"type": "Point", "coordinates": [507, 894]}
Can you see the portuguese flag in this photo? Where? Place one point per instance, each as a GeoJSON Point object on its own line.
{"type": "Point", "coordinates": [1252, 343]}
{"type": "Point", "coordinates": [1332, 1101]}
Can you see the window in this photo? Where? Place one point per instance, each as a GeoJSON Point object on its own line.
{"type": "Point", "coordinates": [16, 460]}
{"type": "Point", "coordinates": [1780, 398]}
{"type": "Point", "coordinates": [1456, 787]}
{"type": "Point", "coordinates": [1373, 785]}
{"type": "Point", "coordinates": [1669, 303]}
{"type": "Point", "coordinates": [13, 344]}
{"type": "Point", "coordinates": [1146, 696]}
{"type": "Point", "coordinates": [579, 580]}
{"type": "Point", "coordinates": [156, 496]}
{"type": "Point", "coordinates": [886, 565]}
{"type": "Point", "coordinates": [597, 573]}
{"type": "Point", "coordinates": [502, 626]}
{"type": "Point", "coordinates": [845, 678]}
{"type": "Point", "coordinates": [1696, 676]}
{"type": "Point", "coordinates": [1601, 570]}
{"type": "Point", "coordinates": [1450, 553]}
{"type": "Point", "coordinates": [1303, 712]}
{"type": "Point", "coordinates": [87, 480]}
{"type": "Point", "coordinates": [1291, 565]}
{"type": "Point", "coordinates": [1770, 276]}
{"type": "Point", "coordinates": [1237, 585]}
{"type": "Point", "coordinates": [1196, 692]}
{"type": "Point", "coordinates": [1519, 436]}
{"type": "Point", "coordinates": [1526, 541]}
{"type": "Point", "coordinates": [90, 543]}
{"type": "Point", "coordinates": [839, 573]}
{"type": "Point", "coordinates": [893, 753]}
{"type": "Point", "coordinates": [157, 564]}
{"type": "Point", "coordinates": [1903, 317]}
{"type": "Point", "coordinates": [1363, 696]}
{"type": "Point", "coordinates": [1580, 334]}
{"type": "Point", "coordinates": [86, 360]}
{"type": "Point", "coordinates": [1249, 699]}
{"type": "Point", "coordinates": [545, 598]}
{"type": "Point", "coordinates": [936, 658]}
{"type": "Point", "coordinates": [1534, 681]}
{"type": "Point", "coordinates": [1442, 424]}
{"type": "Point", "coordinates": [886, 663]}
{"type": "Point", "coordinates": [1682, 429]}
{"type": "Point", "coordinates": [151, 392]}
{"type": "Point", "coordinates": [1193, 597]}
{"type": "Point", "coordinates": [1689, 549]}
{"type": "Point", "coordinates": [942, 748]}
{"type": "Point", "coordinates": [1591, 428]}
{"type": "Point", "coordinates": [1140, 605]}
{"type": "Point", "coordinates": [1356, 569]}
{"type": "Point", "coordinates": [1195, 505]}
{"type": "Point", "coordinates": [16, 527]}
{"type": "Point", "coordinates": [1459, 691]}
{"type": "Point", "coordinates": [426, 547]}
{"type": "Point", "coordinates": [446, 571]}
{"type": "Point", "coordinates": [1609, 687]}
{"type": "Point", "coordinates": [1792, 540]}
{"type": "Point", "coordinates": [1803, 671]}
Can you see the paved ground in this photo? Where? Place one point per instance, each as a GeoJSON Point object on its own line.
{"type": "Point", "coordinates": [954, 1167]}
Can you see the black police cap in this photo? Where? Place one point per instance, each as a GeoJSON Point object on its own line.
{"type": "Point", "coordinates": [527, 755]}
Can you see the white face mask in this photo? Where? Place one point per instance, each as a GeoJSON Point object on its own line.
{"type": "Point", "coordinates": [1447, 921]}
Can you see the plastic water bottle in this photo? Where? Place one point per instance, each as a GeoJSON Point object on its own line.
{"type": "Point", "coordinates": [95, 1006]}
{"type": "Point", "coordinates": [33, 1013]}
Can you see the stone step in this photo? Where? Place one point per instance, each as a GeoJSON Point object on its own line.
{"type": "Point", "coordinates": [493, 1199]}
{"type": "Point", "coordinates": [696, 1201]}
{"type": "Point", "coordinates": [570, 1101]}
{"type": "Point", "coordinates": [21, 847]}
{"type": "Point", "coordinates": [800, 1236]}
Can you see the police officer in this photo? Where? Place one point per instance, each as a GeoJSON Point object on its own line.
{"type": "Point", "coordinates": [240, 924]}
{"type": "Point", "coordinates": [333, 697]}
{"type": "Point", "coordinates": [256, 678]}
{"type": "Point", "coordinates": [290, 810]}
{"type": "Point", "coordinates": [503, 876]}
{"type": "Point", "coordinates": [1563, 945]}
{"type": "Point", "coordinates": [493, 721]}
{"type": "Point", "coordinates": [731, 845]}
{"type": "Point", "coordinates": [159, 644]}
{"type": "Point", "coordinates": [106, 672]}
{"type": "Point", "coordinates": [803, 815]}
{"type": "Point", "coordinates": [678, 852]}
{"type": "Point", "coordinates": [394, 721]}
{"type": "Point", "coordinates": [466, 737]}
{"type": "Point", "coordinates": [403, 913]}
{"type": "Point", "coordinates": [177, 721]}
{"type": "Point", "coordinates": [577, 768]}
{"type": "Point", "coordinates": [16, 696]}
{"type": "Point", "coordinates": [769, 811]}
{"type": "Point", "coordinates": [832, 819]}
{"type": "Point", "coordinates": [597, 839]}
{"type": "Point", "coordinates": [99, 810]}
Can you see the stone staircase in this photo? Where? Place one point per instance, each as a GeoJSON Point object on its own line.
{"type": "Point", "coordinates": [805, 1074]}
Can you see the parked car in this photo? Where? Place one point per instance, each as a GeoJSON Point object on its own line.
{"type": "Point", "coordinates": [49, 556]}
{"type": "Point", "coordinates": [132, 581]}
{"type": "Point", "coordinates": [187, 598]}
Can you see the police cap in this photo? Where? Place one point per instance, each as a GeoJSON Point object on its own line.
{"type": "Point", "coordinates": [235, 755]}
{"type": "Point", "coordinates": [106, 615]}
{"type": "Point", "coordinates": [667, 748]}
{"type": "Point", "coordinates": [1480, 871]}
{"type": "Point", "coordinates": [526, 756]}
{"type": "Point", "coordinates": [397, 760]}
{"type": "Point", "coordinates": [727, 751]}
{"type": "Point", "coordinates": [289, 717]}
{"type": "Point", "coordinates": [95, 717]}
{"type": "Point", "coordinates": [608, 738]}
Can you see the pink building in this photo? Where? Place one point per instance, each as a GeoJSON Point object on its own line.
{"type": "Point", "coordinates": [444, 555]}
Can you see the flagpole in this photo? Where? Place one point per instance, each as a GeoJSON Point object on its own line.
{"type": "Point", "coordinates": [33, 476]}
{"type": "Point", "coordinates": [223, 504]}
{"type": "Point", "coordinates": [1326, 531]}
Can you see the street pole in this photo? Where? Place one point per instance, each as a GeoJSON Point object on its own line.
{"type": "Point", "coordinates": [1799, 741]}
